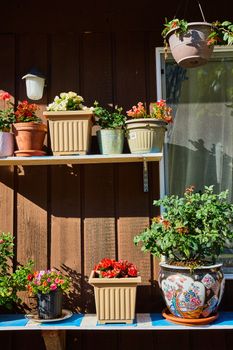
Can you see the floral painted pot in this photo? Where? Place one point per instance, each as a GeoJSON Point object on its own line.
{"type": "Point", "coordinates": [191, 294]}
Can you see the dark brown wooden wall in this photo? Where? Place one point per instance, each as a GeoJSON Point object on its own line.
{"type": "Point", "coordinates": [71, 217]}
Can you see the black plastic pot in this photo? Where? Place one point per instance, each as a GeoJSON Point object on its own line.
{"type": "Point", "coordinates": [50, 305]}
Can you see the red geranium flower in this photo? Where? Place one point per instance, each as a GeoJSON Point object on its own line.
{"type": "Point", "coordinates": [110, 268]}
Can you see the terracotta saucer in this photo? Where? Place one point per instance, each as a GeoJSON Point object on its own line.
{"type": "Point", "coordinates": [29, 153]}
{"type": "Point", "coordinates": [188, 321]}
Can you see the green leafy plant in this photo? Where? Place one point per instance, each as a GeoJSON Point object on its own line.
{"type": "Point", "coordinates": [11, 282]}
{"type": "Point", "coordinates": [180, 25]}
{"type": "Point", "coordinates": [67, 101]}
{"type": "Point", "coordinates": [7, 116]}
{"type": "Point", "coordinates": [26, 112]}
{"type": "Point", "coordinates": [109, 119]}
{"type": "Point", "coordinates": [193, 230]}
{"type": "Point", "coordinates": [46, 281]}
{"type": "Point", "coordinates": [221, 34]}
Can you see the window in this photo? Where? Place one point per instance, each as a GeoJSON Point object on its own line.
{"type": "Point", "coordinates": [199, 144]}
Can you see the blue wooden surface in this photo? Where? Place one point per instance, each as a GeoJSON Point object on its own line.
{"type": "Point", "coordinates": [82, 322]}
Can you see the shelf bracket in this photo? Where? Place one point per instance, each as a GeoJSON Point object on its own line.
{"type": "Point", "coordinates": [145, 176]}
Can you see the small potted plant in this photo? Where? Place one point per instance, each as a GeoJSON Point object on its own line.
{"type": "Point", "coordinates": [111, 134]}
{"type": "Point", "coordinates": [29, 130]}
{"type": "Point", "coordinates": [145, 131]}
{"type": "Point", "coordinates": [190, 234]}
{"type": "Point", "coordinates": [11, 282]}
{"type": "Point", "coordinates": [70, 124]}
{"type": "Point", "coordinates": [115, 284]}
{"type": "Point", "coordinates": [7, 118]}
{"type": "Point", "coordinates": [48, 286]}
{"type": "Point", "coordinates": [191, 43]}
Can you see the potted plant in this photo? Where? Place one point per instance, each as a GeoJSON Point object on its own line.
{"type": "Point", "coordinates": [191, 233]}
{"type": "Point", "coordinates": [48, 286]}
{"type": "Point", "coordinates": [145, 131]}
{"type": "Point", "coordinates": [115, 284]}
{"type": "Point", "coordinates": [11, 282]}
{"type": "Point", "coordinates": [70, 124]}
{"type": "Point", "coordinates": [29, 130]}
{"type": "Point", "coordinates": [111, 134]}
{"type": "Point", "coordinates": [191, 43]}
{"type": "Point", "coordinates": [7, 118]}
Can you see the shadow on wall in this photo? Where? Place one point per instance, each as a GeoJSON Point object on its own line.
{"type": "Point", "coordinates": [81, 296]}
{"type": "Point", "coordinates": [80, 191]}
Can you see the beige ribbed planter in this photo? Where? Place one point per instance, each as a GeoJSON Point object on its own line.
{"type": "Point", "coordinates": [70, 131]}
{"type": "Point", "coordinates": [145, 135]}
{"type": "Point", "coordinates": [115, 298]}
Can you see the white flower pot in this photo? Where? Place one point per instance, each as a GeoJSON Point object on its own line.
{"type": "Point", "coordinates": [6, 144]}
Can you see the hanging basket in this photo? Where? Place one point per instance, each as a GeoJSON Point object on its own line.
{"type": "Point", "coordinates": [191, 49]}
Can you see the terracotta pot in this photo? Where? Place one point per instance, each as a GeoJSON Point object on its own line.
{"type": "Point", "coordinates": [191, 50]}
{"type": "Point", "coordinates": [70, 131]}
{"type": "Point", "coordinates": [29, 136]}
{"type": "Point", "coordinates": [6, 144]}
{"type": "Point", "coordinates": [115, 298]}
{"type": "Point", "coordinates": [192, 294]}
{"type": "Point", "coordinates": [145, 135]}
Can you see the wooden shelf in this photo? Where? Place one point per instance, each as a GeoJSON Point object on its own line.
{"type": "Point", "coordinates": [82, 159]}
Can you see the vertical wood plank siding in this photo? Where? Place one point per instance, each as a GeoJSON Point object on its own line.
{"type": "Point", "coordinates": [69, 217]}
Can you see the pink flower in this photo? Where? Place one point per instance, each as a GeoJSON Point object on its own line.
{"type": "Point", "coordinates": [57, 280]}
{"type": "Point", "coordinates": [1, 241]}
{"type": "Point", "coordinates": [5, 96]}
{"type": "Point", "coordinates": [53, 286]}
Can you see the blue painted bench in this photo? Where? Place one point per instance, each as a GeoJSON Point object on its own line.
{"type": "Point", "coordinates": [54, 332]}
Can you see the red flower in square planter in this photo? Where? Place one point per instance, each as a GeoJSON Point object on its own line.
{"type": "Point", "coordinates": [111, 268]}
{"type": "Point", "coordinates": [115, 284]}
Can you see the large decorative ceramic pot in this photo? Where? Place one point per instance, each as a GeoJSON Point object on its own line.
{"type": "Point", "coordinates": [191, 294]}
{"type": "Point", "coordinates": [111, 141]}
{"type": "Point", "coordinates": [50, 305]}
{"type": "Point", "coordinates": [191, 49]}
{"type": "Point", "coordinates": [6, 144]}
{"type": "Point", "coordinates": [145, 135]}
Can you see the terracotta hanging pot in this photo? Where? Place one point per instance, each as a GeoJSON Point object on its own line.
{"type": "Point", "coordinates": [191, 49]}
{"type": "Point", "coordinates": [29, 138]}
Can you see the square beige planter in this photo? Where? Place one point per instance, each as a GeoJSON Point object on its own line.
{"type": "Point", "coordinates": [115, 298]}
{"type": "Point", "coordinates": [70, 131]}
